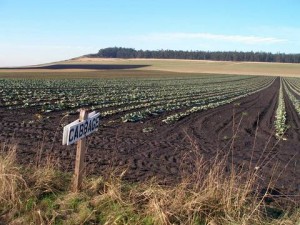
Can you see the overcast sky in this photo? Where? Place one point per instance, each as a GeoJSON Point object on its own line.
{"type": "Point", "coordinates": [35, 31]}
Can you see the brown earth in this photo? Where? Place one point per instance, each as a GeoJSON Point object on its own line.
{"type": "Point", "coordinates": [243, 131]}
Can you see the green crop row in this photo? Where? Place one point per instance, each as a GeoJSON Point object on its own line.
{"type": "Point", "coordinates": [280, 116]}
{"type": "Point", "coordinates": [292, 87]}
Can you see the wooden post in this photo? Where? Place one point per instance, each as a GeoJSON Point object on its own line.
{"type": "Point", "coordinates": [80, 155]}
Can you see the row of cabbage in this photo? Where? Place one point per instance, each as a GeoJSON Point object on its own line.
{"type": "Point", "coordinates": [292, 87]}
{"type": "Point", "coordinates": [280, 115]}
{"type": "Point", "coordinates": [135, 98]}
{"type": "Point", "coordinates": [241, 90]}
{"type": "Point", "coordinates": [56, 95]}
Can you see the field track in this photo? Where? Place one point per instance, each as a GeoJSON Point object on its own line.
{"type": "Point", "coordinates": [244, 130]}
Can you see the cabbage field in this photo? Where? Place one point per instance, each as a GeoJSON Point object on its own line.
{"type": "Point", "coordinates": [150, 124]}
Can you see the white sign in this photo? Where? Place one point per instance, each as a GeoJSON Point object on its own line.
{"type": "Point", "coordinates": [77, 130]}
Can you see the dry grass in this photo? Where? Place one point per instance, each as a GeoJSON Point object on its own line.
{"type": "Point", "coordinates": [208, 195]}
{"type": "Point", "coordinates": [12, 183]}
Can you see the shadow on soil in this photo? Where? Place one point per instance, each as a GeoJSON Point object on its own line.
{"type": "Point", "coordinates": [80, 66]}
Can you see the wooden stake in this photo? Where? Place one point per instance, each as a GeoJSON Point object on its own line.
{"type": "Point", "coordinates": [80, 155]}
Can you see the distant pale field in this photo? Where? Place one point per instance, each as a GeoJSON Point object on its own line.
{"type": "Point", "coordinates": [169, 66]}
{"type": "Point", "coordinates": [204, 66]}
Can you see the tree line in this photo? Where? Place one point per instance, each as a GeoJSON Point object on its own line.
{"type": "Point", "coordinates": [119, 52]}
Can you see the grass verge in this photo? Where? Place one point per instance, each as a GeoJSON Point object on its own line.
{"type": "Point", "coordinates": [208, 195]}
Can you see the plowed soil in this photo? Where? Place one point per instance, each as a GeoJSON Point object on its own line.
{"type": "Point", "coordinates": [242, 131]}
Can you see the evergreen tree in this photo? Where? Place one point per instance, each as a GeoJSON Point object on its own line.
{"type": "Point", "coordinates": [117, 52]}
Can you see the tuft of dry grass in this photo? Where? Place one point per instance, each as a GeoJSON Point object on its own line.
{"type": "Point", "coordinates": [12, 184]}
{"type": "Point", "coordinates": [47, 178]}
{"type": "Point", "coordinates": [206, 195]}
